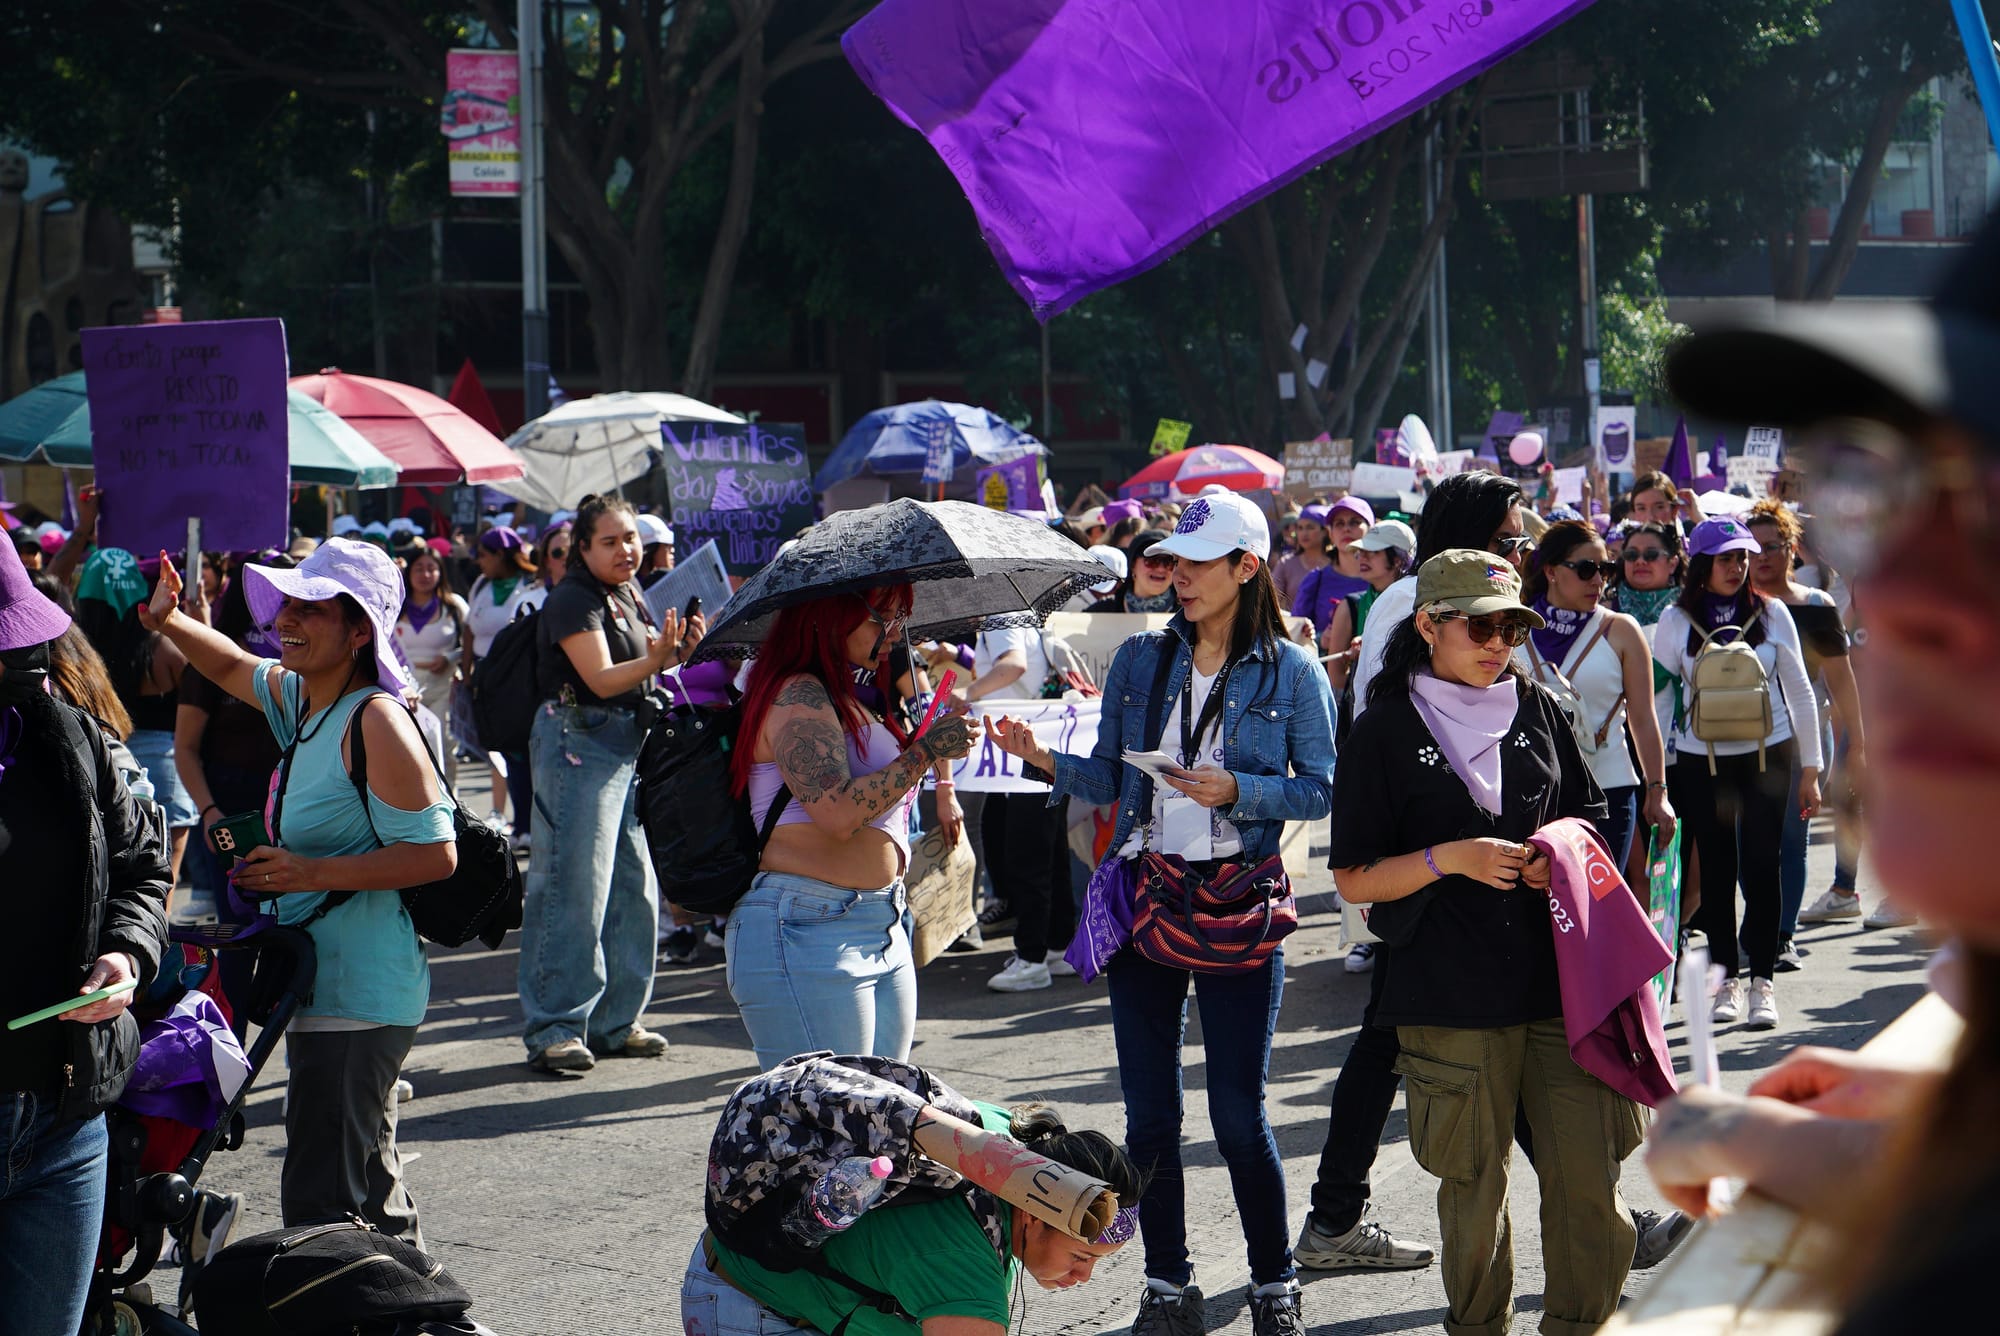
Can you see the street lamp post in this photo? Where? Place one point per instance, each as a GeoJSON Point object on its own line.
{"type": "Point", "coordinates": [534, 245]}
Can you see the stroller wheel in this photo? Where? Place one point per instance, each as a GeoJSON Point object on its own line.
{"type": "Point", "coordinates": [125, 1321]}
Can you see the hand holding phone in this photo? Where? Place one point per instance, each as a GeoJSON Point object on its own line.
{"type": "Point", "coordinates": [235, 836]}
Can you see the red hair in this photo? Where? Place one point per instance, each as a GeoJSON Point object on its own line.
{"type": "Point", "coordinates": [810, 639]}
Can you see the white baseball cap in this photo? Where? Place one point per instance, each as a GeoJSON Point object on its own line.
{"type": "Point", "coordinates": [1387, 534]}
{"type": "Point", "coordinates": [1215, 526]}
{"type": "Point", "coordinates": [653, 529]}
{"type": "Point", "coordinates": [1113, 560]}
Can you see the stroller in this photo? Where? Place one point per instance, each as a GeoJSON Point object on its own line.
{"type": "Point", "coordinates": [156, 1163]}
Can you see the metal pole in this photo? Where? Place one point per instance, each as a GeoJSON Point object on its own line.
{"type": "Point", "coordinates": [1437, 333]}
{"type": "Point", "coordinates": [1048, 398]}
{"type": "Point", "coordinates": [534, 236]}
{"type": "Point", "coordinates": [1586, 252]}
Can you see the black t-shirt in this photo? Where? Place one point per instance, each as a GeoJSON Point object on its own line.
{"type": "Point", "coordinates": [236, 734]}
{"type": "Point", "coordinates": [1821, 633]}
{"type": "Point", "coordinates": [1462, 953]}
{"type": "Point", "coordinates": [583, 603]}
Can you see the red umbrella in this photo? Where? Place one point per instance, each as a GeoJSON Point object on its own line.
{"type": "Point", "coordinates": [1237, 467]}
{"type": "Point", "coordinates": [428, 439]}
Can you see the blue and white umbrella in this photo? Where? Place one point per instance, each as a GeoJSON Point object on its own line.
{"type": "Point", "coordinates": [894, 442]}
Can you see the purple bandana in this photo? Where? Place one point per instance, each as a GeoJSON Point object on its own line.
{"type": "Point", "coordinates": [420, 614]}
{"type": "Point", "coordinates": [1552, 642]}
{"type": "Point", "coordinates": [1122, 1227]}
{"type": "Point", "coordinates": [1719, 611]}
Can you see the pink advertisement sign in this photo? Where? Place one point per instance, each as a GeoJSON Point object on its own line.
{"type": "Point", "coordinates": [481, 119]}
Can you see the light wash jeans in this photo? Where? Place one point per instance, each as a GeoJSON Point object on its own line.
{"type": "Point", "coordinates": [1798, 841]}
{"type": "Point", "coordinates": [51, 1212]}
{"type": "Point", "coordinates": [711, 1306]}
{"type": "Point", "coordinates": [814, 966]}
{"type": "Point", "coordinates": [592, 907]}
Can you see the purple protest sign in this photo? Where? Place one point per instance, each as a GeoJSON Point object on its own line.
{"type": "Point", "coordinates": [1096, 137]}
{"type": "Point", "coordinates": [190, 422]}
{"type": "Point", "coordinates": [1014, 485]}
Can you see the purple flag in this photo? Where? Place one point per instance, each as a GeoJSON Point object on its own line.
{"type": "Point", "coordinates": [1096, 137]}
{"type": "Point", "coordinates": [190, 421]}
{"type": "Point", "coordinates": [1679, 467]}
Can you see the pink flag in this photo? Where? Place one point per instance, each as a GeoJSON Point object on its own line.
{"type": "Point", "coordinates": [1096, 137]}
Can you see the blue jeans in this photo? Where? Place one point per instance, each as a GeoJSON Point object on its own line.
{"type": "Point", "coordinates": [1239, 1013]}
{"type": "Point", "coordinates": [1798, 839]}
{"type": "Point", "coordinates": [592, 909]}
{"type": "Point", "coordinates": [51, 1212]}
{"type": "Point", "coordinates": [815, 966]}
{"type": "Point", "coordinates": [711, 1306]}
{"type": "Point", "coordinates": [1617, 829]}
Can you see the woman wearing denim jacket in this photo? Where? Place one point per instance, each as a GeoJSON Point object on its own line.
{"type": "Point", "coordinates": [1267, 759]}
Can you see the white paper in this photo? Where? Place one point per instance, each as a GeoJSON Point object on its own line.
{"type": "Point", "coordinates": [1453, 461]}
{"type": "Point", "coordinates": [1316, 372]}
{"type": "Point", "coordinates": [700, 573]}
{"type": "Point", "coordinates": [1382, 480]}
{"type": "Point", "coordinates": [1765, 443]}
{"type": "Point", "coordinates": [1154, 763]}
{"type": "Point", "coordinates": [1299, 339]}
{"type": "Point", "coordinates": [1288, 385]}
{"type": "Point", "coordinates": [1569, 486]}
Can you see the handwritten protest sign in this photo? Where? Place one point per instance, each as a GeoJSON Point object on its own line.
{"type": "Point", "coordinates": [938, 886]}
{"type": "Point", "coordinates": [1059, 725]}
{"type": "Point", "coordinates": [1752, 472]}
{"type": "Point", "coordinates": [1382, 480]}
{"type": "Point", "coordinates": [1318, 468]}
{"type": "Point", "coordinates": [938, 434]}
{"type": "Point", "coordinates": [190, 422]}
{"type": "Point", "coordinates": [1171, 435]}
{"type": "Point", "coordinates": [1013, 485]}
{"type": "Point", "coordinates": [1766, 443]}
{"type": "Point", "coordinates": [1569, 486]}
{"type": "Point", "coordinates": [743, 484]}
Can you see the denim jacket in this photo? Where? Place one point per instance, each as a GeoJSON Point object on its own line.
{"type": "Point", "coordinates": [1278, 717]}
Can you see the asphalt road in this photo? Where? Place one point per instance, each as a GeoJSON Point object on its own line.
{"type": "Point", "coordinates": [569, 1205]}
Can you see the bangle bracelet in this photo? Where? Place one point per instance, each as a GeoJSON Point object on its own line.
{"type": "Point", "coordinates": [212, 807]}
{"type": "Point", "coordinates": [1659, 784]}
{"type": "Point", "coordinates": [1431, 863]}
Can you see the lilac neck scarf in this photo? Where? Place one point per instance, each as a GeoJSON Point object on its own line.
{"type": "Point", "coordinates": [1469, 724]}
{"type": "Point", "coordinates": [1553, 641]}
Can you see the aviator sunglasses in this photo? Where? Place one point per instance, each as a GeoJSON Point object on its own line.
{"type": "Point", "coordinates": [1513, 631]}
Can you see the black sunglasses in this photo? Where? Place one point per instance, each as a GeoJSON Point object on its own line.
{"type": "Point", "coordinates": [1507, 547]}
{"type": "Point", "coordinates": [1158, 563]}
{"type": "Point", "coordinates": [559, 553]}
{"type": "Point", "coordinates": [1649, 554]}
{"type": "Point", "coordinates": [1512, 631]}
{"type": "Point", "coordinates": [1590, 570]}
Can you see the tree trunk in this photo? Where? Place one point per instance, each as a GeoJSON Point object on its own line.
{"type": "Point", "coordinates": [1854, 209]}
{"type": "Point", "coordinates": [705, 338]}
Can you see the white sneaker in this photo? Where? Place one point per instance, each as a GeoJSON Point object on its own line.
{"type": "Point", "coordinates": [1831, 907]}
{"type": "Point", "coordinates": [1019, 977]}
{"type": "Point", "coordinates": [1059, 968]}
{"type": "Point", "coordinates": [1763, 1006]}
{"type": "Point", "coordinates": [1887, 915]}
{"type": "Point", "coordinates": [495, 821]}
{"type": "Point", "coordinates": [1728, 1005]}
{"type": "Point", "coordinates": [1361, 957]}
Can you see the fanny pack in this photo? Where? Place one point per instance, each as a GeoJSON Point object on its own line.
{"type": "Point", "coordinates": [1225, 921]}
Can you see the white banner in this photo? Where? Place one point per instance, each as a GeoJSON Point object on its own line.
{"type": "Point", "coordinates": [1059, 725]}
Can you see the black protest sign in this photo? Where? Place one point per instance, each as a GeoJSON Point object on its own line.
{"type": "Point", "coordinates": [745, 485]}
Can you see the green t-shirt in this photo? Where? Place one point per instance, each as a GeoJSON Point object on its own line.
{"type": "Point", "coordinates": [931, 1256]}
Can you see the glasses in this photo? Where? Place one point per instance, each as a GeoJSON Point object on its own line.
{"type": "Point", "coordinates": [1157, 563]}
{"type": "Point", "coordinates": [1867, 477]}
{"type": "Point", "coordinates": [1512, 547]}
{"type": "Point", "coordinates": [1482, 629]}
{"type": "Point", "coordinates": [1646, 554]}
{"type": "Point", "coordinates": [1590, 570]}
{"type": "Point", "coordinates": [559, 554]}
{"type": "Point", "coordinates": [1774, 549]}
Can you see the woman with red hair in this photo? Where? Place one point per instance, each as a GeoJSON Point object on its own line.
{"type": "Point", "coordinates": [819, 947]}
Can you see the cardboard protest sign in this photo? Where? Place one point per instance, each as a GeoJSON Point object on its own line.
{"type": "Point", "coordinates": [701, 575]}
{"type": "Point", "coordinates": [1382, 480]}
{"type": "Point", "coordinates": [1069, 1199]}
{"type": "Point", "coordinates": [1171, 435]}
{"type": "Point", "coordinates": [743, 484]}
{"type": "Point", "coordinates": [190, 422]}
{"type": "Point", "coordinates": [939, 886]}
{"type": "Point", "coordinates": [1650, 455]}
{"type": "Point", "coordinates": [1317, 468]}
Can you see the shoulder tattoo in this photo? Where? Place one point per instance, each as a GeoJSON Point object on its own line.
{"type": "Point", "coordinates": [812, 757]}
{"type": "Point", "coordinates": [803, 690]}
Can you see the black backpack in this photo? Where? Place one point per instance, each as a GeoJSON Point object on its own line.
{"type": "Point", "coordinates": [505, 687]}
{"type": "Point", "coordinates": [317, 1280]}
{"type": "Point", "coordinates": [704, 845]}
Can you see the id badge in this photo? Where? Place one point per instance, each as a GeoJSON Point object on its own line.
{"type": "Point", "coordinates": [1184, 827]}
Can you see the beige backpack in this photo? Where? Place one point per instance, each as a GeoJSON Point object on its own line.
{"type": "Point", "coordinates": [1729, 697]}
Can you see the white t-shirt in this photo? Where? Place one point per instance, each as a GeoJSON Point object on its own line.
{"type": "Point", "coordinates": [1393, 607]}
{"type": "Point", "coordinates": [1181, 831]}
{"type": "Point", "coordinates": [1784, 667]}
{"type": "Point", "coordinates": [487, 618]}
{"type": "Point", "coordinates": [986, 651]}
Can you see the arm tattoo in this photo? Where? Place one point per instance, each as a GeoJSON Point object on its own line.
{"type": "Point", "coordinates": [803, 690]}
{"type": "Point", "coordinates": [812, 757]}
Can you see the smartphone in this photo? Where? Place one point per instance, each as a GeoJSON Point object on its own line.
{"type": "Point", "coordinates": [235, 836]}
{"type": "Point", "coordinates": [692, 610]}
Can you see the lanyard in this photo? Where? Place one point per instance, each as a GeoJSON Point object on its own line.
{"type": "Point", "coordinates": [1211, 710]}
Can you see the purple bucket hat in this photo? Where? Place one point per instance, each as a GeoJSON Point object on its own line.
{"type": "Point", "coordinates": [338, 566]}
{"type": "Point", "coordinates": [27, 616]}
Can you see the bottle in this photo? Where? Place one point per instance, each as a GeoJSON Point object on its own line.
{"type": "Point", "coordinates": [837, 1200]}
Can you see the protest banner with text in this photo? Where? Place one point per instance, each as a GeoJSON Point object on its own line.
{"type": "Point", "coordinates": [1318, 468]}
{"type": "Point", "coordinates": [745, 485]}
{"type": "Point", "coordinates": [190, 422]}
{"type": "Point", "coordinates": [1059, 725]}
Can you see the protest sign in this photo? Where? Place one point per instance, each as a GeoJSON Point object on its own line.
{"type": "Point", "coordinates": [1317, 468]}
{"type": "Point", "coordinates": [1569, 487]}
{"type": "Point", "coordinates": [1015, 484]}
{"type": "Point", "coordinates": [1389, 447]}
{"type": "Point", "coordinates": [1382, 480]}
{"type": "Point", "coordinates": [1617, 428]}
{"type": "Point", "coordinates": [190, 422]}
{"type": "Point", "coordinates": [938, 434]}
{"type": "Point", "coordinates": [743, 484]}
{"type": "Point", "coordinates": [1766, 443]}
{"type": "Point", "coordinates": [1752, 472]}
{"type": "Point", "coordinates": [1171, 435]}
{"type": "Point", "coordinates": [701, 575]}
{"type": "Point", "coordinates": [1019, 100]}
{"type": "Point", "coordinates": [1650, 455]}
{"type": "Point", "coordinates": [1501, 428]}
{"type": "Point", "coordinates": [938, 885]}
{"type": "Point", "coordinates": [1453, 461]}
{"type": "Point", "coordinates": [480, 120]}
{"type": "Point", "coordinates": [1059, 725]}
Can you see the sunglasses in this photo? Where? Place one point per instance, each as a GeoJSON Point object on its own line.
{"type": "Point", "coordinates": [1590, 570]}
{"type": "Point", "coordinates": [1157, 563]}
{"type": "Point", "coordinates": [1509, 547]}
{"type": "Point", "coordinates": [1513, 631]}
{"type": "Point", "coordinates": [1773, 549]}
{"type": "Point", "coordinates": [1645, 554]}
{"type": "Point", "coordinates": [558, 554]}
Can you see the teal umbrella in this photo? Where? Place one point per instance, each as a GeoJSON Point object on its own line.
{"type": "Point", "coordinates": [51, 423]}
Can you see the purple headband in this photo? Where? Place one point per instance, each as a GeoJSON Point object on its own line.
{"type": "Point", "coordinates": [1122, 1227]}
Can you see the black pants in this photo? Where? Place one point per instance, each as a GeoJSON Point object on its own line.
{"type": "Point", "coordinates": [340, 1129]}
{"type": "Point", "coordinates": [1362, 1097]}
{"type": "Point", "coordinates": [1737, 819]}
{"type": "Point", "coordinates": [1027, 855]}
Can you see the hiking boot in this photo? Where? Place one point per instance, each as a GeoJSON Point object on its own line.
{"type": "Point", "coordinates": [998, 916]}
{"type": "Point", "coordinates": [1790, 958]}
{"type": "Point", "coordinates": [1019, 977]}
{"type": "Point", "coordinates": [214, 1216]}
{"type": "Point", "coordinates": [1183, 1314]}
{"type": "Point", "coordinates": [565, 1055]}
{"type": "Point", "coordinates": [1887, 915]}
{"type": "Point", "coordinates": [638, 1044]}
{"type": "Point", "coordinates": [1279, 1313]}
{"type": "Point", "coordinates": [1728, 1005]}
{"type": "Point", "coordinates": [1361, 957]}
{"type": "Point", "coordinates": [1831, 907]}
{"type": "Point", "coordinates": [1763, 1006]}
{"type": "Point", "coordinates": [1659, 1235]}
{"type": "Point", "coordinates": [1366, 1247]}
{"type": "Point", "coordinates": [683, 945]}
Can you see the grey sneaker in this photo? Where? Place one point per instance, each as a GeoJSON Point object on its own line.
{"type": "Point", "coordinates": [1185, 1314]}
{"type": "Point", "coordinates": [1280, 1314]}
{"type": "Point", "coordinates": [565, 1055]}
{"type": "Point", "coordinates": [1366, 1247]}
{"type": "Point", "coordinates": [1659, 1235]}
{"type": "Point", "coordinates": [1831, 907]}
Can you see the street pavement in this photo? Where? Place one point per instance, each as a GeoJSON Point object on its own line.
{"type": "Point", "coordinates": [569, 1205]}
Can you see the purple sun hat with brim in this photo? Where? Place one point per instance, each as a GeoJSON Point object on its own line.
{"type": "Point", "coordinates": [339, 566]}
{"type": "Point", "coordinates": [27, 615]}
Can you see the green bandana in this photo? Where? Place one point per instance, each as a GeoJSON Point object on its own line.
{"type": "Point", "coordinates": [112, 575]}
{"type": "Point", "coordinates": [1646, 604]}
{"type": "Point", "coordinates": [504, 590]}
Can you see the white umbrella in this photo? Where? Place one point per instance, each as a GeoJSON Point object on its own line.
{"type": "Point", "coordinates": [596, 444]}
